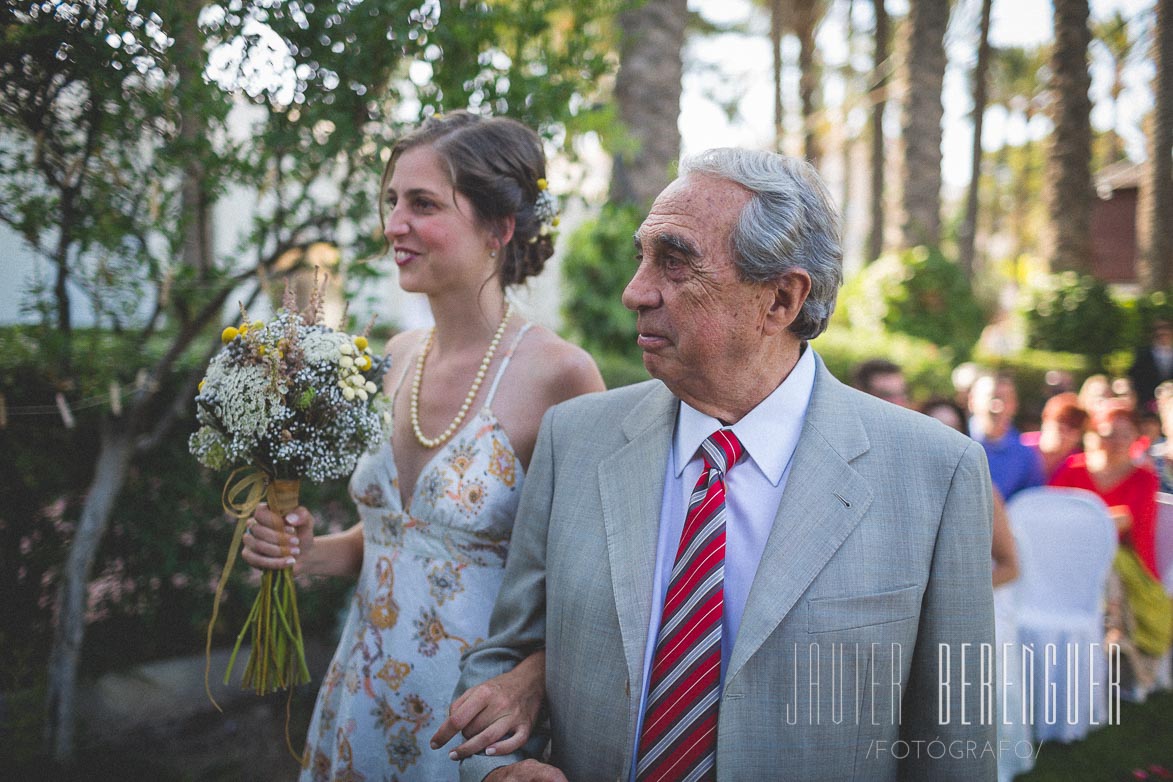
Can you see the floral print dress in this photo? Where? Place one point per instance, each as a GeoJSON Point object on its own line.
{"type": "Point", "coordinates": [430, 574]}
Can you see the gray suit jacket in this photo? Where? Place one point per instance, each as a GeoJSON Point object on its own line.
{"type": "Point", "coordinates": [876, 570]}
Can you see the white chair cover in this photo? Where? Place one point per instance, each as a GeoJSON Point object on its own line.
{"type": "Point", "coordinates": [1015, 753]}
{"type": "Point", "coordinates": [1165, 540]}
{"type": "Point", "coordinates": [1164, 680]}
{"type": "Point", "coordinates": [1067, 541]}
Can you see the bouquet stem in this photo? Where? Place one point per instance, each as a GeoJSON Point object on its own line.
{"type": "Point", "coordinates": [277, 659]}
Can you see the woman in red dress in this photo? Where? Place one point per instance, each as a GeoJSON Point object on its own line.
{"type": "Point", "coordinates": [1106, 467]}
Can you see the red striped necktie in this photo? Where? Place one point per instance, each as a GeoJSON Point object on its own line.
{"type": "Point", "coordinates": [679, 736]}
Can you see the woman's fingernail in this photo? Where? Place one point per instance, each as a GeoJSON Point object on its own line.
{"type": "Point", "coordinates": [453, 756]}
{"type": "Point", "coordinates": [434, 744]}
{"type": "Point", "coordinates": [291, 518]}
{"type": "Point", "coordinates": [491, 751]}
{"type": "Point", "coordinates": [295, 551]}
{"type": "Point", "coordinates": [293, 541]}
{"type": "Point", "coordinates": [291, 561]}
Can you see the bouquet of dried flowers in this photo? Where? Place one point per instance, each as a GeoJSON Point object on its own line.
{"type": "Point", "coordinates": [283, 401]}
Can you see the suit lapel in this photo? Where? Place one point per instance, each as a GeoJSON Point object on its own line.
{"type": "Point", "coordinates": [632, 485]}
{"type": "Point", "coordinates": [823, 502]}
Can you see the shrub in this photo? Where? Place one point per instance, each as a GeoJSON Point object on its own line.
{"type": "Point", "coordinates": [926, 367]}
{"type": "Point", "coordinates": [1074, 313]}
{"type": "Point", "coordinates": [920, 293]}
{"type": "Point", "coordinates": [596, 269]}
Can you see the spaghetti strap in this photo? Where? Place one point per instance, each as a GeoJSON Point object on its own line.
{"type": "Point", "coordinates": [505, 362]}
{"type": "Point", "coordinates": [407, 365]}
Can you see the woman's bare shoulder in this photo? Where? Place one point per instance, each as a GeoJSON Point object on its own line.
{"type": "Point", "coordinates": [561, 369]}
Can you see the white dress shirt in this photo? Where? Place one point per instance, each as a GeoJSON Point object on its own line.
{"type": "Point", "coordinates": [753, 492]}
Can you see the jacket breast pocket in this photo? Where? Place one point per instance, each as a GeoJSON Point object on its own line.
{"type": "Point", "coordinates": [829, 614]}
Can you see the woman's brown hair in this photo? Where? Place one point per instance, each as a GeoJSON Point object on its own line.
{"type": "Point", "coordinates": [494, 162]}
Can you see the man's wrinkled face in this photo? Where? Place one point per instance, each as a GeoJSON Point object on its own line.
{"type": "Point", "coordinates": [697, 319]}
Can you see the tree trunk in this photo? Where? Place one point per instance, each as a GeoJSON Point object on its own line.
{"type": "Point", "coordinates": [968, 236]}
{"type": "Point", "coordinates": [777, 21]}
{"type": "Point", "coordinates": [112, 464]}
{"type": "Point", "coordinates": [806, 20]}
{"type": "Point", "coordinates": [647, 92]}
{"type": "Point", "coordinates": [879, 94]}
{"type": "Point", "coordinates": [195, 201]}
{"type": "Point", "coordinates": [1069, 181]}
{"type": "Point", "coordinates": [924, 77]}
{"type": "Point", "coordinates": [1156, 251]}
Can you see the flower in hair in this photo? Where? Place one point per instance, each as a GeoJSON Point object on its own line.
{"type": "Point", "coordinates": [546, 211]}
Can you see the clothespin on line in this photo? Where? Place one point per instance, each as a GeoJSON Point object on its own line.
{"type": "Point", "coordinates": [66, 413]}
{"type": "Point", "coordinates": [115, 398]}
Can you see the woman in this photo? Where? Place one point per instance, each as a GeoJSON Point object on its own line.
{"type": "Point", "coordinates": [1107, 468]}
{"type": "Point", "coordinates": [1139, 615]}
{"type": "Point", "coordinates": [1060, 432]}
{"type": "Point", "coordinates": [466, 216]}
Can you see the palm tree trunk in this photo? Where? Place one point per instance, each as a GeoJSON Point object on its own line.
{"type": "Point", "coordinates": [879, 93]}
{"type": "Point", "coordinates": [1156, 256]}
{"type": "Point", "coordinates": [647, 92]}
{"type": "Point", "coordinates": [923, 111]}
{"type": "Point", "coordinates": [777, 11]}
{"type": "Point", "coordinates": [969, 226]}
{"type": "Point", "coordinates": [806, 17]}
{"type": "Point", "coordinates": [1069, 181]}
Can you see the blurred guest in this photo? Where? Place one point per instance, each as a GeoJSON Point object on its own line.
{"type": "Point", "coordinates": [993, 401]}
{"type": "Point", "coordinates": [1106, 468]}
{"type": "Point", "coordinates": [1060, 434]}
{"type": "Point", "coordinates": [962, 379]}
{"type": "Point", "coordinates": [947, 412]}
{"type": "Point", "coordinates": [1152, 365]}
{"type": "Point", "coordinates": [1162, 450]}
{"type": "Point", "coordinates": [1095, 389]}
{"type": "Point", "coordinates": [881, 378]}
{"type": "Point", "coordinates": [1139, 615]}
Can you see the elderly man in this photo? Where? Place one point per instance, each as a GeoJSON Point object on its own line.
{"type": "Point", "coordinates": [743, 569]}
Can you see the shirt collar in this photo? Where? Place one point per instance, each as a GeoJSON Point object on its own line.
{"type": "Point", "coordinates": [769, 432]}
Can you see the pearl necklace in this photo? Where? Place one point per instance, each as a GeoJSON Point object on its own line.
{"type": "Point", "coordinates": [429, 442]}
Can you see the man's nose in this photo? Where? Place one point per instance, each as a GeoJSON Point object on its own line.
{"type": "Point", "coordinates": [641, 292]}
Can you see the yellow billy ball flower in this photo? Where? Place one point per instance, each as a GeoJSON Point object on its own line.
{"type": "Point", "coordinates": [200, 387]}
{"type": "Point", "coordinates": [542, 184]}
{"type": "Point", "coordinates": [361, 343]}
{"type": "Point", "coordinates": [228, 334]}
{"type": "Point", "coordinates": [364, 363]}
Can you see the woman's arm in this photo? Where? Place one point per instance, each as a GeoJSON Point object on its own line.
{"type": "Point", "coordinates": [1003, 551]}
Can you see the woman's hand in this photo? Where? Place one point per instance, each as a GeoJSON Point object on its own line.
{"type": "Point", "coordinates": [1122, 515]}
{"type": "Point", "coordinates": [506, 705]}
{"type": "Point", "coordinates": [274, 549]}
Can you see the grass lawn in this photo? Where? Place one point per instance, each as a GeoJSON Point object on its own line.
{"type": "Point", "coordinates": [1127, 751]}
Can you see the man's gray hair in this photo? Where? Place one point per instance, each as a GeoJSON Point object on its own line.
{"type": "Point", "coordinates": [790, 222]}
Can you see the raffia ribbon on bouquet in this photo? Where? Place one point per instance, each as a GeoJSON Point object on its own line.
{"type": "Point", "coordinates": [240, 500]}
{"type": "Point", "coordinates": [252, 488]}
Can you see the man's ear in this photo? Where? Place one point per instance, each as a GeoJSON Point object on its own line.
{"type": "Point", "coordinates": [789, 292]}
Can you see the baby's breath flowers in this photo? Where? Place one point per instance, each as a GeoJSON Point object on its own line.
{"type": "Point", "coordinates": [286, 400]}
